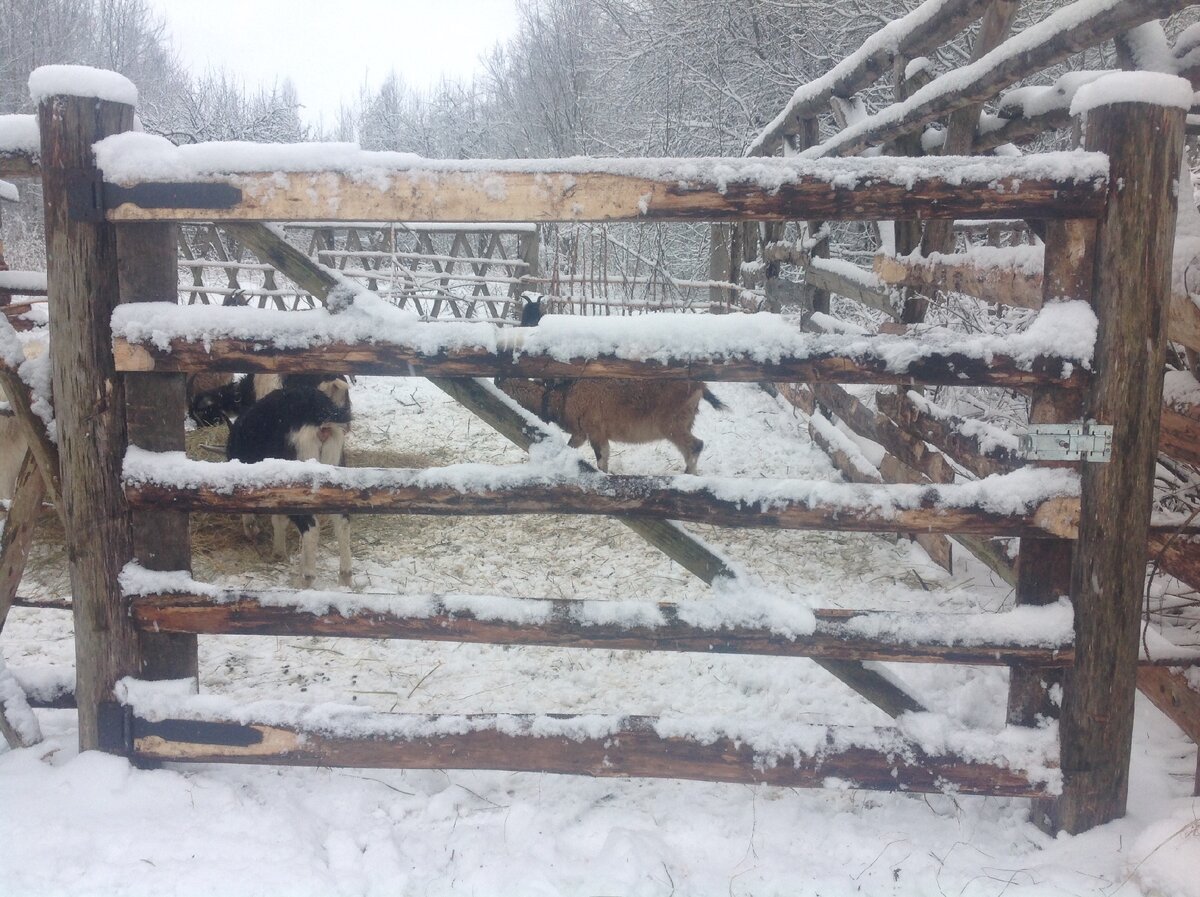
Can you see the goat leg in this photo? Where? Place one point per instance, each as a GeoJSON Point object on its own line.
{"type": "Point", "coordinates": [341, 527]}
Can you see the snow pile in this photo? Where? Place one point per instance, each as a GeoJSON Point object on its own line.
{"type": "Point", "coordinates": [19, 281]}
{"type": "Point", "coordinates": [1048, 626]}
{"type": "Point", "coordinates": [1065, 331]}
{"type": "Point", "coordinates": [1024, 259]}
{"type": "Point", "coordinates": [1033, 751]}
{"type": "Point", "coordinates": [1181, 390]}
{"type": "Point", "coordinates": [1168, 855]}
{"type": "Point", "coordinates": [9, 192]}
{"type": "Point", "coordinates": [16, 709]}
{"type": "Point", "coordinates": [30, 360]}
{"type": "Point", "coordinates": [81, 81]}
{"type": "Point", "coordinates": [1134, 87]}
{"type": "Point", "coordinates": [19, 134]}
{"type": "Point", "coordinates": [137, 157]}
{"type": "Point", "coordinates": [1026, 102]}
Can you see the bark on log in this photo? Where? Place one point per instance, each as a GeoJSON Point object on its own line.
{"type": "Point", "coordinates": [89, 398]}
{"type": "Point", "coordinates": [636, 496]}
{"type": "Point", "coordinates": [964, 122]}
{"type": "Point", "coordinates": [1133, 269]}
{"type": "Point", "coordinates": [1013, 60]}
{"type": "Point", "coordinates": [234, 355]}
{"type": "Point", "coordinates": [634, 750]}
{"type": "Point", "coordinates": [246, 614]}
{"type": "Point", "coordinates": [946, 433]}
{"type": "Point", "coordinates": [17, 536]}
{"type": "Point", "coordinates": [154, 410]}
{"type": "Point", "coordinates": [999, 286]}
{"type": "Point", "coordinates": [436, 195]}
{"type": "Point", "coordinates": [853, 76]}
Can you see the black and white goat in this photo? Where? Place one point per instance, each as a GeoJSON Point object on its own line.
{"type": "Point", "coordinates": [212, 407]}
{"type": "Point", "coordinates": [298, 423]}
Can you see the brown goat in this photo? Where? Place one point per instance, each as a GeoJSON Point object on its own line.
{"type": "Point", "coordinates": [604, 411]}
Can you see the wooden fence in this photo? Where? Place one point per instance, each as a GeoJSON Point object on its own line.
{"type": "Point", "coordinates": [923, 442]}
{"type": "Point", "coordinates": [114, 394]}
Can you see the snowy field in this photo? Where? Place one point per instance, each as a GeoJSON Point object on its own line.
{"type": "Point", "coordinates": [93, 825]}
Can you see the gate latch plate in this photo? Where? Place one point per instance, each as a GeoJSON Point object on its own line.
{"type": "Point", "coordinates": [1068, 442]}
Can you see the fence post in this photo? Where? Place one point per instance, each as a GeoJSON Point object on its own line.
{"type": "Point", "coordinates": [154, 407]}
{"type": "Point", "coordinates": [1132, 279]}
{"type": "Point", "coordinates": [89, 396]}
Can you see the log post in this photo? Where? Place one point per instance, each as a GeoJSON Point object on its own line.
{"type": "Point", "coordinates": [154, 409]}
{"type": "Point", "coordinates": [1144, 142]}
{"type": "Point", "coordinates": [1044, 565]}
{"type": "Point", "coordinates": [89, 396]}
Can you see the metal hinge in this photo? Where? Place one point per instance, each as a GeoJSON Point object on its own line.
{"type": "Point", "coordinates": [1068, 442]}
{"type": "Point", "coordinates": [89, 196]}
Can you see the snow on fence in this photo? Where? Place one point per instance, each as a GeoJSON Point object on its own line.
{"type": "Point", "coordinates": [918, 437]}
{"type": "Point", "coordinates": [145, 185]}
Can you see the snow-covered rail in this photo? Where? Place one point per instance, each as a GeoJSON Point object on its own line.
{"type": "Point", "coordinates": [150, 179]}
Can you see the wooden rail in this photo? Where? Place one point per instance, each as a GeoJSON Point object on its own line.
{"type": "Point", "coordinates": [633, 748]}
{"type": "Point", "coordinates": [569, 194]}
{"type": "Point", "coordinates": [662, 498]}
{"type": "Point", "coordinates": [819, 365]}
{"type": "Point", "coordinates": [566, 626]}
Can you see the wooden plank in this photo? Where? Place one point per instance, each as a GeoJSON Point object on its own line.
{"type": "Point", "coordinates": [819, 365]}
{"type": "Point", "coordinates": [920, 31]}
{"type": "Point", "coordinates": [948, 434]}
{"type": "Point", "coordinates": [566, 625]}
{"type": "Point", "coordinates": [639, 496]}
{"type": "Point", "coordinates": [1016, 58]}
{"type": "Point", "coordinates": [16, 164]}
{"type": "Point", "coordinates": [964, 121]}
{"type": "Point", "coordinates": [1179, 434]}
{"type": "Point", "coordinates": [20, 400]}
{"type": "Point", "coordinates": [1133, 270]}
{"type": "Point", "coordinates": [632, 749]}
{"type": "Point", "coordinates": [17, 536]}
{"type": "Point", "coordinates": [1022, 129]}
{"type": "Point", "coordinates": [1170, 692]}
{"type": "Point", "coordinates": [568, 195]}
{"type": "Point", "coordinates": [154, 412]}
{"type": "Point", "coordinates": [89, 399]}
{"type": "Point", "coordinates": [999, 286]}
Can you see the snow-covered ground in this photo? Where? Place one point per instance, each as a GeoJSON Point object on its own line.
{"type": "Point", "coordinates": [92, 824]}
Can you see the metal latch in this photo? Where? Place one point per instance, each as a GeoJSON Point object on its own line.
{"type": "Point", "coordinates": [1067, 442]}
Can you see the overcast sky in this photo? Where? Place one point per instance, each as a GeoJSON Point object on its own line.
{"type": "Point", "coordinates": [330, 47]}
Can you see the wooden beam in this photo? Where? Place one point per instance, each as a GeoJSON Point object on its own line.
{"type": "Point", "coordinates": [821, 364]}
{"type": "Point", "coordinates": [999, 286]}
{"type": "Point", "coordinates": [1179, 434]}
{"type": "Point", "coordinates": [89, 398]}
{"type": "Point", "coordinates": [567, 195]}
{"type": "Point", "coordinates": [14, 164]}
{"type": "Point", "coordinates": [632, 749]}
{"type": "Point", "coordinates": [1022, 129]}
{"type": "Point", "coordinates": [639, 496]}
{"type": "Point", "coordinates": [1017, 58]}
{"type": "Point", "coordinates": [1170, 692]}
{"type": "Point", "coordinates": [33, 428]}
{"type": "Point", "coordinates": [964, 121]}
{"type": "Point", "coordinates": [154, 415]}
{"type": "Point", "coordinates": [949, 433]}
{"type": "Point", "coordinates": [566, 625]}
{"type": "Point", "coordinates": [1132, 284]}
{"type": "Point", "coordinates": [920, 31]}
{"type": "Point", "coordinates": [16, 538]}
